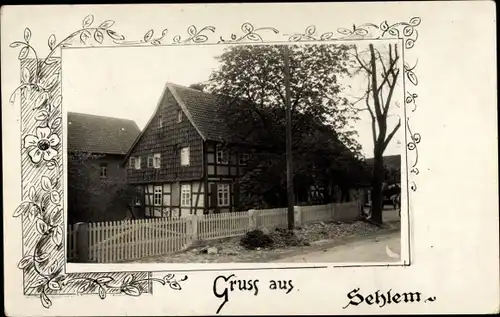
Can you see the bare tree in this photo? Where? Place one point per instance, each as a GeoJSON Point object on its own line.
{"type": "Point", "coordinates": [382, 72]}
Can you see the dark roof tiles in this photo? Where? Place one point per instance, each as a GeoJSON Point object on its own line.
{"type": "Point", "coordinates": [203, 111]}
{"type": "Point", "coordinates": [98, 134]}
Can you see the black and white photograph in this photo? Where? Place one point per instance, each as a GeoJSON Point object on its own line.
{"type": "Point", "coordinates": [250, 159]}
{"type": "Point", "coordinates": [235, 153]}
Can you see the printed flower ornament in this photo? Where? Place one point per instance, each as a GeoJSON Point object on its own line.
{"type": "Point", "coordinates": [41, 145]}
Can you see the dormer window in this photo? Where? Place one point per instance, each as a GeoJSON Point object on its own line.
{"type": "Point", "coordinates": [179, 116]}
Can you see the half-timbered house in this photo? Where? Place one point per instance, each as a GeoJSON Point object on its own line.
{"type": "Point", "coordinates": [182, 163]}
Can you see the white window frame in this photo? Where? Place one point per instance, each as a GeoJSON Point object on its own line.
{"type": "Point", "coordinates": [222, 155]}
{"type": "Point", "coordinates": [185, 153]}
{"type": "Point", "coordinates": [103, 167]}
{"type": "Point", "coordinates": [179, 116]}
{"type": "Point", "coordinates": [186, 195]}
{"type": "Point", "coordinates": [160, 121]}
{"type": "Point", "coordinates": [150, 161]}
{"type": "Point", "coordinates": [138, 163]}
{"type": "Point", "coordinates": [157, 160]}
{"type": "Point", "coordinates": [223, 195]}
{"type": "Point", "coordinates": [157, 195]}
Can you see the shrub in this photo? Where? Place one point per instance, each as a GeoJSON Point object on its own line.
{"type": "Point", "coordinates": [256, 239]}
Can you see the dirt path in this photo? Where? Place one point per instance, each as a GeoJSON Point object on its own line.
{"type": "Point", "coordinates": [372, 249]}
{"type": "Point", "coordinates": [232, 252]}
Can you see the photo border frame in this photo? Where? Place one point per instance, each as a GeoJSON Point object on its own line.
{"type": "Point", "coordinates": [41, 210]}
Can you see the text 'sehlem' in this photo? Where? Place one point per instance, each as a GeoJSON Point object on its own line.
{"type": "Point", "coordinates": [383, 298]}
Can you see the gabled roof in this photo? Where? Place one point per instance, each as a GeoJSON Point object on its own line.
{"type": "Point", "coordinates": [199, 107]}
{"type": "Point", "coordinates": [98, 134]}
{"type": "Point", "coordinates": [202, 110]}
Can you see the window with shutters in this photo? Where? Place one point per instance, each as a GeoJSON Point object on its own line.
{"type": "Point", "coordinates": [185, 156]}
{"type": "Point", "coordinates": [158, 193]}
{"type": "Point", "coordinates": [186, 195]}
{"type": "Point", "coordinates": [223, 195]}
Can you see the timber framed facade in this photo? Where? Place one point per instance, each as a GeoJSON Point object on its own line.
{"type": "Point", "coordinates": [181, 164]}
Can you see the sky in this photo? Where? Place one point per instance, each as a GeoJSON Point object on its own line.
{"type": "Point", "coordinates": [127, 82]}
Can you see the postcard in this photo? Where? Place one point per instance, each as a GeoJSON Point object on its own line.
{"type": "Point", "coordinates": [279, 158]}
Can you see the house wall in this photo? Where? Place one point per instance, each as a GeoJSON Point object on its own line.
{"type": "Point", "coordinates": [92, 198]}
{"type": "Point", "coordinates": [168, 141]}
{"type": "Point", "coordinates": [170, 203]}
{"type": "Point", "coordinates": [222, 173]}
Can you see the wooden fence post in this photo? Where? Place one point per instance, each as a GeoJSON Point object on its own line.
{"type": "Point", "coordinates": [194, 227]}
{"type": "Point", "coordinates": [253, 219]}
{"type": "Point", "coordinates": [82, 242]}
{"type": "Point", "coordinates": [297, 216]}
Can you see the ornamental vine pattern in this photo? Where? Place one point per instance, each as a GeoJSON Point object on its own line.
{"type": "Point", "coordinates": [39, 92]}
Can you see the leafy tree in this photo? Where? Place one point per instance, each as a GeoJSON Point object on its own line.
{"type": "Point", "coordinates": [251, 79]}
{"type": "Point", "coordinates": [380, 67]}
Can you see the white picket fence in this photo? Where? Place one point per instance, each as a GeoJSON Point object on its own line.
{"type": "Point", "coordinates": [319, 213]}
{"type": "Point", "coordinates": [116, 241]}
{"type": "Point", "coordinates": [223, 225]}
{"type": "Point", "coordinates": [111, 242]}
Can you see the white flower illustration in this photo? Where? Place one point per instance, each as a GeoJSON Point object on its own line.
{"type": "Point", "coordinates": [41, 145]}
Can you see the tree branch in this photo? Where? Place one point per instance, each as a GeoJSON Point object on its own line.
{"type": "Point", "coordinates": [386, 73]}
{"type": "Point", "coordinates": [360, 62]}
{"type": "Point", "coordinates": [297, 98]}
{"type": "Point", "coordinates": [391, 91]}
{"type": "Point", "coordinates": [391, 135]}
{"type": "Point", "coordinates": [382, 62]}
{"type": "Point", "coordinates": [279, 93]}
{"type": "Point", "coordinates": [396, 58]}
{"type": "Point", "coordinates": [374, 84]}
{"type": "Point", "coordinates": [372, 115]}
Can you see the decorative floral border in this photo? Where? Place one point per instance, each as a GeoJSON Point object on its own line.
{"type": "Point", "coordinates": [41, 210]}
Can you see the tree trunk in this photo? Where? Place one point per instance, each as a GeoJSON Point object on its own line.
{"type": "Point", "coordinates": [326, 194]}
{"type": "Point", "coordinates": [377, 196]}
